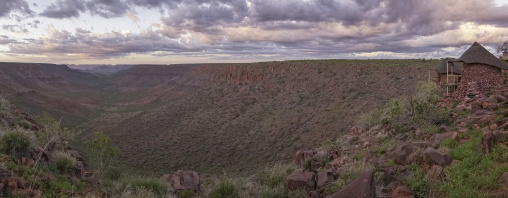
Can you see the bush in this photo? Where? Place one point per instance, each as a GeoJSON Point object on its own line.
{"type": "Point", "coordinates": [64, 161]}
{"type": "Point", "coordinates": [273, 192]}
{"type": "Point", "coordinates": [225, 189]}
{"type": "Point", "coordinates": [419, 110]}
{"type": "Point", "coordinates": [52, 132]}
{"type": "Point", "coordinates": [274, 176]}
{"type": "Point", "coordinates": [113, 173]}
{"type": "Point", "coordinates": [137, 185]}
{"type": "Point", "coordinates": [101, 152]}
{"type": "Point", "coordinates": [417, 183]}
{"type": "Point", "coordinates": [15, 142]}
{"type": "Point", "coordinates": [347, 175]}
{"type": "Point", "coordinates": [25, 124]}
{"type": "Point", "coordinates": [185, 194]}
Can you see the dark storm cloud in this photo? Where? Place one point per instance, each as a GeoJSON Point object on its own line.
{"type": "Point", "coordinates": [7, 6]}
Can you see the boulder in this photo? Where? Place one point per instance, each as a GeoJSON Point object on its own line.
{"type": "Point", "coordinates": [485, 119]}
{"type": "Point", "coordinates": [361, 187]}
{"type": "Point", "coordinates": [301, 180]}
{"type": "Point", "coordinates": [402, 192]}
{"type": "Point", "coordinates": [503, 126]}
{"type": "Point", "coordinates": [438, 138]}
{"type": "Point", "coordinates": [433, 156]}
{"type": "Point", "coordinates": [75, 154]}
{"type": "Point", "coordinates": [463, 130]}
{"type": "Point", "coordinates": [44, 154]}
{"type": "Point", "coordinates": [15, 183]}
{"type": "Point", "coordinates": [503, 179]}
{"type": "Point", "coordinates": [165, 178]}
{"type": "Point", "coordinates": [299, 158]}
{"type": "Point", "coordinates": [493, 127]}
{"type": "Point", "coordinates": [488, 141]}
{"type": "Point", "coordinates": [475, 107]}
{"type": "Point", "coordinates": [402, 153]}
{"type": "Point", "coordinates": [334, 165]}
{"type": "Point", "coordinates": [324, 178]}
{"type": "Point", "coordinates": [500, 98]}
{"type": "Point", "coordinates": [30, 163]}
{"type": "Point", "coordinates": [22, 192]}
{"type": "Point", "coordinates": [186, 180]}
{"type": "Point", "coordinates": [315, 166]}
{"type": "Point", "coordinates": [501, 136]}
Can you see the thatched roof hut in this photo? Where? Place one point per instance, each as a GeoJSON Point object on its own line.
{"type": "Point", "coordinates": [455, 66]}
{"type": "Point", "coordinates": [478, 54]}
{"type": "Point", "coordinates": [481, 71]}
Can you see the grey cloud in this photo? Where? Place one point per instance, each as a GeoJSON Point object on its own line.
{"type": "Point", "coordinates": [113, 44]}
{"type": "Point", "coordinates": [200, 15]}
{"type": "Point", "coordinates": [107, 8]}
{"type": "Point", "coordinates": [15, 5]}
{"type": "Point", "coordinates": [82, 31]}
{"type": "Point", "coordinates": [15, 28]}
{"type": "Point", "coordinates": [72, 8]}
{"type": "Point", "coordinates": [64, 9]}
{"type": "Point", "coordinates": [4, 41]}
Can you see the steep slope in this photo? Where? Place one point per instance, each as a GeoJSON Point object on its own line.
{"type": "Point", "coordinates": [248, 112]}
{"type": "Point", "coordinates": [38, 87]}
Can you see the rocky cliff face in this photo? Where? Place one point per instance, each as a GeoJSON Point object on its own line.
{"type": "Point", "coordinates": [248, 112]}
{"type": "Point", "coordinates": [237, 113]}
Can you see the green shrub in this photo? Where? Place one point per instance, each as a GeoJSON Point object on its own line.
{"type": "Point", "coordinates": [15, 142]}
{"type": "Point", "coordinates": [138, 193]}
{"type": "Point", "coordinates": [64, 161]}
{"type": "Point", "coordinates": [354, 139]}
{"type": "Point", "coordinates": [55, 187]}
{"type": "Point", "coordinates": [410, 112]}
{"type": "Point", "coordinates": [156, 186]}
{"type": "Point", "coordinates": [113, 173]}
{"type": "Point", "coordinates": [272, 192]}
{"type": "Point", "coordinates": [346, 176]}
{"type": "Point", "coordinates": [101, 152]}
{"type": "Point", "coordinates": [225, 189]}
{"type": "Point", "coordinates": [296, 193]}
{"type": "Point", "coordinates": [52, 132]}
{"type": "Point", "coordinates": [274, 176]}
{"type": "Point", "coordinates": [450, 143]}
{"type": "Point", "coordinates": [25, 124]}
{"type": "Point", "coordinates": [417, 183]}
{"type": "Point", "coordinates": [185, 194]}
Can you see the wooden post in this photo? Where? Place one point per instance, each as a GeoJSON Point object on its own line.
{"type": "Point", "coordinates": [447, 79]}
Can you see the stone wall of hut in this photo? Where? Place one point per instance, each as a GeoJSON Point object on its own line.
{"type": "Point", "coordinates": [478, 78]}
{"type": "Point", "coordinates": [441, 78]}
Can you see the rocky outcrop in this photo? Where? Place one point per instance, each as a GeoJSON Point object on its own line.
{"type": "Point", "coordinates": [185, 180]}
{"type": "Point", "coordinates": [361, 187]}
{"type": "Point", "coordinates": [301, 180]}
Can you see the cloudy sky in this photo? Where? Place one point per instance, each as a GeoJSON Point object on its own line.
{"type": "Point", "coordinates": [190, 31]}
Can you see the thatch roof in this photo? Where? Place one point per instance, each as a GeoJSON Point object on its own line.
{"type": "Point", "coordinates": [454, 66]}
{"type": "Point", "coordinates": [478, 54]}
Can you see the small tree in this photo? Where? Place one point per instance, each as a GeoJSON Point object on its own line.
{"type": "Point", "coordinates": [503, 49]}
{"type": "Point", "coordinates": [102, 152]}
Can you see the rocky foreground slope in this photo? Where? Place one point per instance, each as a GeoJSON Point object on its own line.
{"type": "Point", "coordinates": [464, 158]}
